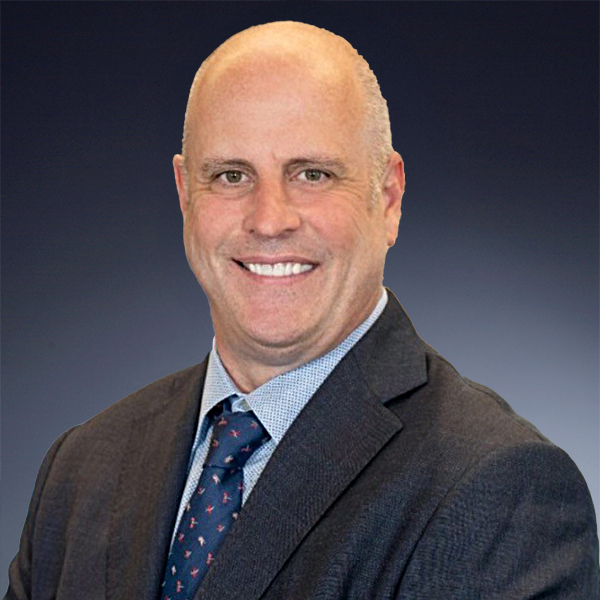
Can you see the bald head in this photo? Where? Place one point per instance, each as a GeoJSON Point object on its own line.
{"type": "Point", "coordinates": [301, 51]}
{"type": "Point", "coordinates": [286, 40]}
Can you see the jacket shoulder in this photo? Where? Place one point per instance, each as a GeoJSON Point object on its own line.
{"type": "Point", "coordinates": [149, 400]}
{"type": "Point", "coordinates": [177, 393]}
{"type": "Point", "coordinates": [472, 410]}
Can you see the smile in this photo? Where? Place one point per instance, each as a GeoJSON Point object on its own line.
{"type": "Point", "coordinates": [282, 269]}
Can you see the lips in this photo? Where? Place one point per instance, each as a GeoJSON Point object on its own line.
{"type": "Point", "coordinates": [280, 269]}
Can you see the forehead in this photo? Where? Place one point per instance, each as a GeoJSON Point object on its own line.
{"type": "Point", "coordinates": [276, 96]}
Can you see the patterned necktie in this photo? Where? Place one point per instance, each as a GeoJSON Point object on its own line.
{"type": "Point", "coordinates": [215, 504]}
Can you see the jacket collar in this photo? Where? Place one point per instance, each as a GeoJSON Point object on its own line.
{"type": "Point", "coordinates": [391, 356]}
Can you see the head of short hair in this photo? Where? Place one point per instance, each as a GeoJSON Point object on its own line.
{"type": "Point", "coordinates": [377, 119]}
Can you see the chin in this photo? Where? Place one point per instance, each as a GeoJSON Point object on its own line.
{"type": "Point", "coordinates": [278, 342]}
{"type": "Point", "coordinates": [276, 337]}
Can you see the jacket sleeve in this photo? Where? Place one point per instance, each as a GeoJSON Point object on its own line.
{"type": "Point", "coordinates": [20, 569]}
{"type": "Point", "coordinates": [520, 525]}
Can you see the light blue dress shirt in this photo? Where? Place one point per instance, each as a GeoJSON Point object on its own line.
{"type": "Point", "coordinates": [276, 403]}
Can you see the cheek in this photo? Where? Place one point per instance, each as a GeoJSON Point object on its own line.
{"type": "Point", "coordinates": [333, 217]}
{"type": "Point", "coordinates": [346, 229]}
{"type": "Point", "coordinates": [197, 241]}
{"type": "Point", "coordinates": [205, 228]}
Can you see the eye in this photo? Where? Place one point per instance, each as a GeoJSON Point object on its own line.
{"type": "Point", "coordinates": [231, 177]}
{"type": "Point", "coordinates": [313, 175]}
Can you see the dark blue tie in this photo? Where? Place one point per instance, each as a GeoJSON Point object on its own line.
{"type": "Point", "coordinates": [215, 504]}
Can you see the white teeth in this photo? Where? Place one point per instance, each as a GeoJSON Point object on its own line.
{"type": "Point", "coordinates": [278, 269]}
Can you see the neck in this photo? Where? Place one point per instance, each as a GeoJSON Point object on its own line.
{"type": "Point", "coordinates": [252, 364]}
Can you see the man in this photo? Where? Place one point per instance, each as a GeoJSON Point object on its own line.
{"type": "Point", "coordinates": [364, 466]}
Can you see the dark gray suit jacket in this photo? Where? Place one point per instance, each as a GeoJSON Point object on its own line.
{"type": "Point", "coordinates": [399, 480]}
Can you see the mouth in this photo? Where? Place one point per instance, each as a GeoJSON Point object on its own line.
{"type": "Point", "coordinates": [278, 269]}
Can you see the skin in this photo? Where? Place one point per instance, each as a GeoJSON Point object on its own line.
{"type": "Point", "coordinates": [278, 170]}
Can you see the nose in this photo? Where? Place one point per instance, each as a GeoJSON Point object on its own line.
{"type": "Point", "coordinates": [270, 212]}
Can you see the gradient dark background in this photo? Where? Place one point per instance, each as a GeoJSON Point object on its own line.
{"type": "Point", "coordinates": [494, 107]}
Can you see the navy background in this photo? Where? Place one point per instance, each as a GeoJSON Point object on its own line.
{"type": "Point", "coordinates": [494, 107]}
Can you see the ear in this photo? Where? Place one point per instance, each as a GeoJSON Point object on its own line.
{"type": "Point", "coordinates": [392, 192]}
{"type": "Point", "coordinates": [180, 182]}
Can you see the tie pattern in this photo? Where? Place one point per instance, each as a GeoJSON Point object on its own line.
{"type": "Point", "coordinates": [215, 504]}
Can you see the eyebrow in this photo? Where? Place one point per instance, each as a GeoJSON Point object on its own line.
{"type": "Point", "coordinates": [217, 163]}
{"type": "Point", "coordinates": [213, 164]}
{"type": "Point", "coordinates": [317, 162]}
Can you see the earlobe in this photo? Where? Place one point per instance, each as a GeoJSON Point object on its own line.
{"type": "Point", "coordinates": [180, 182]}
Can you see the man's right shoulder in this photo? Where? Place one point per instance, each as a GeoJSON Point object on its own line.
{"type": "Point", "coordinates": [178, 392]}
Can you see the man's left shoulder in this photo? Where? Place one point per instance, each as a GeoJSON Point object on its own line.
{"type": "Point", "coordinates": [470, 409]}
{"type": "Point", "coordinates": [454, 426]}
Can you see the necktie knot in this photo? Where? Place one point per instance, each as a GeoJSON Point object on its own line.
{"type": "Point", "coordinates": [235, 437]}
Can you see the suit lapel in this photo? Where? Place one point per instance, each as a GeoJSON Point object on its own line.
{"type": "Point", "coordinates": [151, 481]}
{"type": "Point", "coordinates": [339, 431]}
